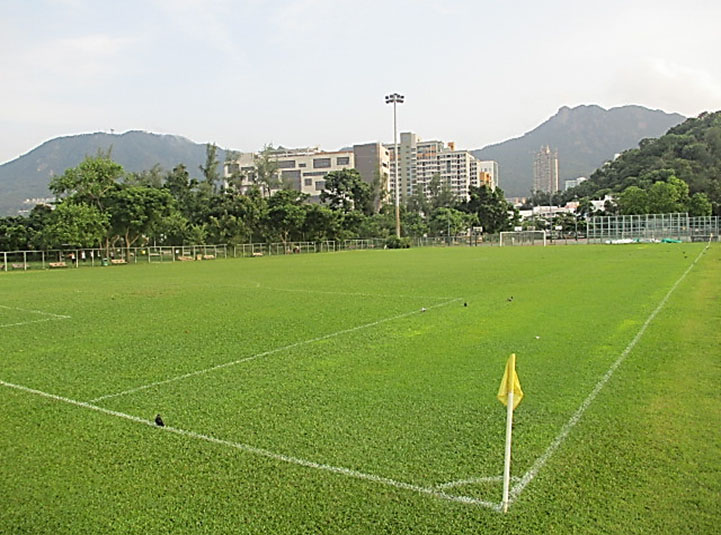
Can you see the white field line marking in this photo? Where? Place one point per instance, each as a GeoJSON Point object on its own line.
{"type": "Point", "coordinates": [350, 294]}
{"type": "Point", "coordinates": [266, 453]}
{"type": "Point", "coordinates": [474, 480]}
{"type": "Point", "coordinates": [50, 316]}
{"type": "Point", "coordinates": [566, 429]}
{"type": "Point", "coordinates": [266, 353]}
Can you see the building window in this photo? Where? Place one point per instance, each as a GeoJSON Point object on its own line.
{"type": "Point", "coordinates": [316, 173]}
{"type": "Point", "coordinates": [308, 181]}
{"type": "Point", "coordinates": [343, 160]}
{"type": "Point", "coordinates": [286, 164]}
{"type": "Point", "coordinates": [320, 185]}
{"type": "Point", "coordinates": [321, 163]}
{"type": "Point", "coordinates": [301, 165]}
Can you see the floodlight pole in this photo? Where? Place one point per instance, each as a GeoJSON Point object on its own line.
{"type": "Point", "coordinates": [394, 99]}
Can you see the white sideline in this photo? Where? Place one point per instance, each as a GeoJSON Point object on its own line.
{"type": "Point", "coordinates": [265, 453]}
{"type": "Point", "coordinates": [576, 417]}
{"type": "Point", "coordinates": [266, 353]}
{"type": "Point", "coordinates": [50, 316]}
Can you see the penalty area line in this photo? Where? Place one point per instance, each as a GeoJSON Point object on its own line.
{"type": "Point", "coordinates": [49, 316]}
{"type": "Point", "coordinates": [349, 472]}
{"type": "Point", "coordinates": [260, 286]}
{"type": "Point", "coordinates": [576, 417]}
{"type": "Point", "coordinates": [267, 353]}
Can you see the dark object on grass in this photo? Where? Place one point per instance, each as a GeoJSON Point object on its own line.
{"type": "Point", "coordinates": [510, 299]}
{"type": "Point", "coordinates": [465, 304]}
{"type": "Point", "coordinates": [159, 421]}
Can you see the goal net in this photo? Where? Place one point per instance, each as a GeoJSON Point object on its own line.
{"type": "Point", "coordinates": [523, 237]}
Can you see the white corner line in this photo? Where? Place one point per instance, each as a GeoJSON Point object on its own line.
{"type": "Point", "coordinates": [266, 353]}
{"type": "Point", "coordinates": [576, 417]}
{"type": "Point", "coordinates": [473, 481]}
{"type": "Point", "coordinates": [430, 491]}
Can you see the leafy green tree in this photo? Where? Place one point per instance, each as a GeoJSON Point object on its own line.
{"type": "Point", "coordinates": [210, 171]}
{"type": "Point", "coordinates": [345, 190]}
{"type": "Point", "coordinates": [197, 234]}
{"type": "Point", "coordinates": [439, 194]}
{"type": "Point", "coordinates": [418, 203]}
{"type": "Point", "coordinates": [171, 229]}
{"type": "Point", "coordinates": [181, 187]}
{"type": "Point", "coordinates": [567, 222]}
{"type": "Point", "coordinates": [699, 205]}
{"type": "Point", "coordinates": [236, 218]}
{"type": "Point", "coordinates": [134, 210]}
{"type": "Point", "coordinates": [78, 225]}
{"type": "Point", "coordinates": [668, 197]}
{"type": "Point", "coordinates": [633, 200]}
{"type": "Point", "coordinates": [90, 182]}
{"type": "Point", "coordinates": [152, 177]}
{"type": "Point", "coordinates": [413, 224]}
{"type": "Point", "coordinates": [15, 234]}
{"type": "Point", "coordinates": [450, 222]}
{"type": "Point", "coordinates": [320, 223]}
{"type": "Point", "coordinates": [285, 215]}
{"type": "Point", "coordinates": [266, 170]}
{"type": "Point", "coordinates": [492, 211]}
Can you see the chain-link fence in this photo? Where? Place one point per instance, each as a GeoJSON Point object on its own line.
{"type": "Point", "coordinates": [607, 229]}
{"type": "Point", "coordinates": [652, 227]}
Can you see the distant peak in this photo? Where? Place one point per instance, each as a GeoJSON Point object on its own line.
{"type": "Point", "coordinates": [580, 107]}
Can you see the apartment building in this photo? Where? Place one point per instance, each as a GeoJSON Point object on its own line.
{"type": "Point", "coordinates": [304, 169]}
{"type": "Point", "coordinates": [419, 161]}
{"type": "Point", "coordinates": [545, 170]}
{"type": "Point", "coordinates": [572, 183]}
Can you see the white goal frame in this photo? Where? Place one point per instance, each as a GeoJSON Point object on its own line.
{"type": "Point", "coordinates": [522, 237]}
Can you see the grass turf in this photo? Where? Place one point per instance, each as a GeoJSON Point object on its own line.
{"type": "Point", "coordinates": [347, 371]}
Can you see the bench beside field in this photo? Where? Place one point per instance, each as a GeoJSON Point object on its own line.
{"type": "Point", "coordinates": [57, 264]}
{"type": "Point", "coordinates": [118, 261]}
{"type": "Point", "coordinates": [197, 257]}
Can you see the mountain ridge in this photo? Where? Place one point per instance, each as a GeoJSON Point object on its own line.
{"type": "Point", "coordinates": [585, 136]}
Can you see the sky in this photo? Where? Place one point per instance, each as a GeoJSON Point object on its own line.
{"type": "Point", "coordinates": [299, 73]}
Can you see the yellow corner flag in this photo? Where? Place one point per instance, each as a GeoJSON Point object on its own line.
{"type": "Point", "coordinates": [510, 383]}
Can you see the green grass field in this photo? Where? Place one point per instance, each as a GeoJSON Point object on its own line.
{"type": "Point", "coordinates": [314, 394]}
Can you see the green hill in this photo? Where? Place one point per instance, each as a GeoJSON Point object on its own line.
{"type": "Point", "coordinates": [28, 176]}
{"type": "Point", "coordinates": [690, 151]}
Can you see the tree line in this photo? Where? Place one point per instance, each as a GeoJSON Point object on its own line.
{"type": "Point", "coordinates": [99, 204]}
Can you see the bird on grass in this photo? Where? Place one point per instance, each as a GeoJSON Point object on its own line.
{"type": "Point", "coordinates": [465, 304]}
{"type": "Point", "coordinates": [510, 299]}
{"type": "Point", "coordinates": [159, 421]}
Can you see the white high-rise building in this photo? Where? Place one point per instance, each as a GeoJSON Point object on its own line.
{"type": "Point", "coordinates": [419, 161]}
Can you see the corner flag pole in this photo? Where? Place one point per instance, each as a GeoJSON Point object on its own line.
{"type": "Point", "coordinates": [507, 459]}
{"type": "Point", "coordinates": [510, 394]}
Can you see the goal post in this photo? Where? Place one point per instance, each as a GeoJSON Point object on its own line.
{"type": "Point", "coordinates": [522, 237]}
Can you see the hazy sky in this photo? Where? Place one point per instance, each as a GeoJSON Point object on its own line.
{"type": "Point", "coordinates": [314, 72]}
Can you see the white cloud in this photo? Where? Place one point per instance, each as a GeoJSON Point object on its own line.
{"type": "Point", "coordinates": [671, 86]}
